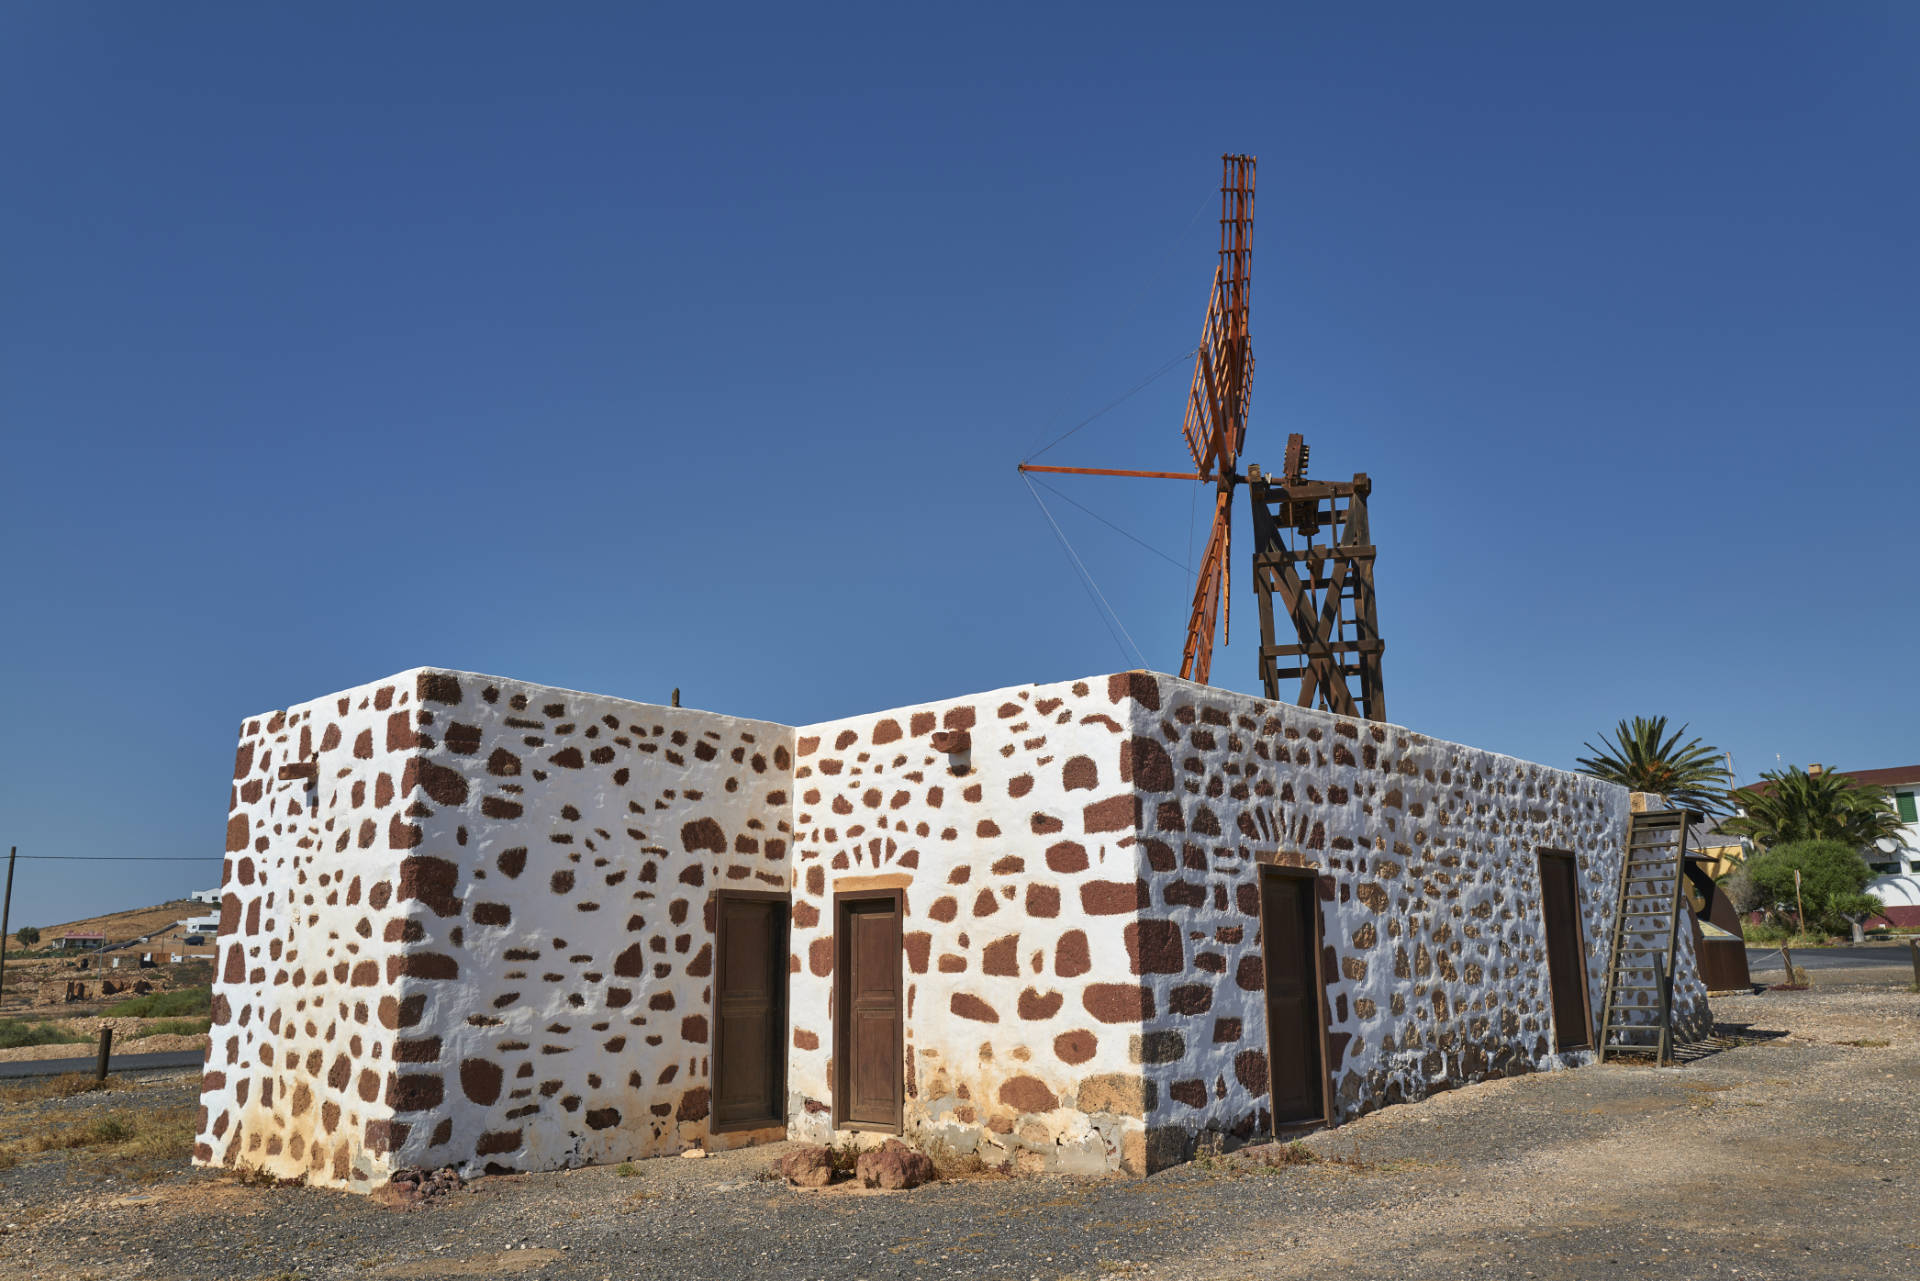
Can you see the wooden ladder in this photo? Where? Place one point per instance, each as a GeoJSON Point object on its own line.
{"type": "Point", "coordinates": [1638, 1015]}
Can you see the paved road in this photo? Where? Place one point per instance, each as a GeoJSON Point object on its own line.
{"type": "Point", "coordinates": [119, 1063]}
{"type": "Point", "coordinates": [1832, 958]}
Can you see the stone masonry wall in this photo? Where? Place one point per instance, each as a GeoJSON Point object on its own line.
{"type": "Point", "coordinates": [304, 1023]}
{"type": "Point", "coordinates": [558, 981]}
{"type": "Point", "coordinates": [1008, 821]}
{"type": "Point", "coordinates": [502, 949]}
{"type": "Point", "coordinates": [1433, 946]}
{"type": "Point", "coordinates": [467, 920]}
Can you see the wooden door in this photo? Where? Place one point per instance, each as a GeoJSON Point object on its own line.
{"type": "Point", "coordinates": [1566, 951]}
{"type": "Point", "coordinates": [1290, 937]}
{"type": "Point", "coordinates": [750, 1010]}
{"type": "Point", "coordinates": [869, 1030]}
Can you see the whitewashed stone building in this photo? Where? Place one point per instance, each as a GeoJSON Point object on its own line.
{"type": "Point", "coordinates": [478, 922]}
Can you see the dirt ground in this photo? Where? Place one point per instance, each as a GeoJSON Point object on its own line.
{"type": "Point", "coordinates": [36, 983]}
{"type": "Point", "coordinates": [1790, 1156]}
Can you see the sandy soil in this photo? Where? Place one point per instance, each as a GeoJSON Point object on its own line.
{"type": "Point", "coordinates": [1771, 1157]}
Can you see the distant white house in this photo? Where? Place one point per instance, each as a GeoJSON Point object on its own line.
{"type": "Point", "coordinates": [1897, 859]}
{"type": "Point", "coordinates": [209, 923]}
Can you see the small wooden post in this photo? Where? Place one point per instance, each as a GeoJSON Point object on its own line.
{"type": "Point", "coordinates": [6, 913]}
{"type": "Point", "coordinates": [1914, 946]}
{"type": "Point", "coordinates": [1665, 980]}
{"type": "Point", "coordinates": [106, 1050]}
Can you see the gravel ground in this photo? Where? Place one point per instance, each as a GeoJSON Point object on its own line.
{"type": "Point", "coordinates": [1792, 1157]}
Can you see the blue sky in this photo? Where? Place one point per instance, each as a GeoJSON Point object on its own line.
{"type": "Point", "coordinates": [623, 349]}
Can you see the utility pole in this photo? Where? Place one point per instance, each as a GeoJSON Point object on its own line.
{"type": "Point", "coordinates": [6, 911]}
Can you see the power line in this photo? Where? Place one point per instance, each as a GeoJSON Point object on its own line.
{"type": "Point", "coordinates": [128, 858]}
{"type": "Point", "coordinates": [1115, 528]}
{"type": "Point", "coordinates": [1093, 589]}
{"type": "Point", "coordinates": [1138, 387]}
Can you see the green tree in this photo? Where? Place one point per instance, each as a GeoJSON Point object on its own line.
{"type": "Point", "coordinates": [27, 935]}
{"type": "Point", "coordinates": [1644, 757]}
{"type": "Point", "coordinates": [1797, 806]}
{"type": "Point", "coordinates": [1832, 878]}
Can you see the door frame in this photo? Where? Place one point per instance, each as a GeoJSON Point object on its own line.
{"type": "Point", "coordinates": [783, 951]}
{"type": "Point", "coordinates": [1313, 885]}
{"type": "Point", "coordinates": [1541, 854]}
{"type": "Point", "coordinates": [842, 974]}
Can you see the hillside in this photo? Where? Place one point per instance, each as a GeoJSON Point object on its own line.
{"type": "Point", "coordinates": [134, 922]}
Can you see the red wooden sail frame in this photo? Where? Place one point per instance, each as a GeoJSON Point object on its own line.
{"type": "Point", "coordinates": [1215, 424]}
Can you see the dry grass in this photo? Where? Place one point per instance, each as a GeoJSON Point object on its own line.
{"type": "Point", "coordinates": [948, 1164]}
{"type": "Point", "coordinates": [55, 1087]}
{"type": "Point", "coordinates": [137, 1144]}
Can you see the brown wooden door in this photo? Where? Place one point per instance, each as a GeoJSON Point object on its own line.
{"type": "Point", "coordinates": [1290, 936]}
{"type": "Point", "coordinates": [869, 1031]}
{"type": "Point", "coordinates": [750, 1010]}
{"type": "Point", "coordinates": [1566, 953]}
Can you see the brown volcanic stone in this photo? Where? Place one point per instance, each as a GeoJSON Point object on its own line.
{"type": "Point", "coordinates": [1154, 947]}
{"type": "Point", "coordinates": [1118, 1002]}
{"type": "Point", "coordinates": [1250, 1067]}
{"type": "Point", "coordinates": [438, 687]}
{"type": "Point", "coordinates": [703, 834]}
{"type": "Point", "coordinates": [1067, 857]}
{"type": "Point", "coordinates": [1124, 1093]}
{"type": "Point", "coordinates": [1075, 1047]}
{"type": "Point", "coordinates": [1036, 1006]}
{"type": "Point", "coordinates": [1111, 898]}
{"type": "Point", "coordinates": [968, 1006]}
{"type": "Point", "coordinates": [480, 1080]}
{"type": "Point", "coordinates": [894, 1165]}
{"type": "Point", "coordinates": [810, 1166]}
{"type": "Point", "coordinates": [444, 786]}
{"type": "Point", "coordinates": [1145, 764]}
{"type": "Point", "coordinates": [1001, 957]}
{"type": "Point", "coordinates": [431, 881]}
{"type": "Point", "coordinates": [1115, 814]}
{"type": "Point", "coordinates": [1028, 1094]}
{"type": "Point", "coordinates": [1139, 686]}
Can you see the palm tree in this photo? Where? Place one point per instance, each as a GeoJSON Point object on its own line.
{"type": "Point", "coordinates": [1797, 806]}
{"type": "Point", "coordinates": [1644, 757]}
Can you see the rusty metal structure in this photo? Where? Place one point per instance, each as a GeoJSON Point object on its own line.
{"type": "Point", "coordinates": [1324, 585]}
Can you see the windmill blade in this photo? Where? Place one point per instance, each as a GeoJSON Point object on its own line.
{"type": "Point", "coordinates": [1201, 427]}
{"type": "Point", "coordinates": [1196, 661]}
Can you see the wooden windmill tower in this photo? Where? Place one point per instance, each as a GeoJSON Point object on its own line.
{"type": "Point", "coordinates": [1324, 585]}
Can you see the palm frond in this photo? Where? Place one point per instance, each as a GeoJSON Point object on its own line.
{"type": "Point", "coordinates": [1644, 756]}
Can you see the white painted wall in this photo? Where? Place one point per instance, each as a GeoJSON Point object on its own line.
{"type": "Point", "coordinates": [474, 928]}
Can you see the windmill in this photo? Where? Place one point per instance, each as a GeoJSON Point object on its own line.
{"type": "Point", "coordinates": [1325, 587]}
